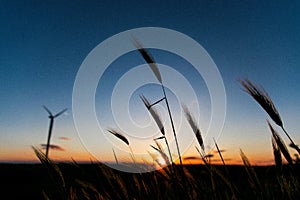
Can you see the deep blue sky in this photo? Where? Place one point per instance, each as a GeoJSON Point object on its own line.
{"type": "Point", "coordinates": [43, 43]}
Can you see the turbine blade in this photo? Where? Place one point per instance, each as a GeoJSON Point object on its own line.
{"type": "Point", "coordinates": [48, 111]}
{"type": "Point", "coordinates": [61, 112]}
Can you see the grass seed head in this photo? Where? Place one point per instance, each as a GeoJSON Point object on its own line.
{"type": "Point", "coordinates": [194, 126]}
{"type": "Point", "coordinates": [118, 135]}
{"type": "Point", "coordinates": [148, 58]}
{"type": "Point", "coordinates": [154, 114]}
{"type": "Point", "coordinates": [263, 99]}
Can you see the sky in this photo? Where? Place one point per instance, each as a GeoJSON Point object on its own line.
{"type": "Point", "coordinates": [44, 43]}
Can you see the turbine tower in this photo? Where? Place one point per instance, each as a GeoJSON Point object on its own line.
{"type": "Point", "coordinates": [51, 117]}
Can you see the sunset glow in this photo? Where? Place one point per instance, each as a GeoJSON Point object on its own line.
{"type": "Point", "coordinates": [44, 46]}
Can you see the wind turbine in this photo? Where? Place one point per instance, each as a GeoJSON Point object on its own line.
{"type": "Point", "coordinates": [51, 117]}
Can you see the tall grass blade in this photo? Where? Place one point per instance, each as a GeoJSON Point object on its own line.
{"type": "Point", "coordinates": [159, 138]}
{"type": "Point", "coordinates": [54, 172]}
{"type": "Point", "coordinates": [116, 159]}
{"type": "Point", "coordinates": [146, 102]}
{"type": "Point", "coordinates": [277, 154]}
{"type": "Point", "coordinates": [148, 58]}
{"type": "Point", "coordinates": [228, 180]}
{"type": "Point", "coordinates": [281, 145]}
{"type": "Point", "coordinates": [173, 129]}
{"type": "Point", "coordinates": [169, 170]}
{"type": "Point", "coordinates": [163, 155]}
{"type": "Point", "coordinates": [219, 152]}
{"type": "Point", "coordinates": [253, 179]}
{"type": "Point", "coordinates": [211, 169]}
{"type": "Point", "coordinates": [158, 121]}
{"type": "Point", "coordinates": [296, 147]}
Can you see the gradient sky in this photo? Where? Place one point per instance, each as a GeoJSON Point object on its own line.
{"type": "Point", "coordinates": [43, 44]}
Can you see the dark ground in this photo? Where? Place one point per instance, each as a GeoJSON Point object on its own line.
{"type": "Point", "coordinates": [27, 181]}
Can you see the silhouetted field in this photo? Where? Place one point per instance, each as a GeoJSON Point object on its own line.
{"type": "Point", "coordinates": [28, 181]}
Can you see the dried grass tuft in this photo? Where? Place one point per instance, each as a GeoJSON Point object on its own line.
{"type": "Point", "coordinates": [161, 152]}
{"type": "Point", "coordinates": [263, 99]}
{"type": "Point", "coordinates": [277, 154]}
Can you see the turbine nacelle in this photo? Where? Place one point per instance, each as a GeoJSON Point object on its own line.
{"type": "Point", "coordinates": [51, 116]}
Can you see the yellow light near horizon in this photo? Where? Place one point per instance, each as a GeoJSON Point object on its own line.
{"type": "Point", "coordinates": [161, 161]}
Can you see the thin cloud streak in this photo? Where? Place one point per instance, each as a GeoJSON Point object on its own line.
{"type": "Point", "coordinates": [53, 147]}
{"type": "Point", "coordinates": [64, 138]}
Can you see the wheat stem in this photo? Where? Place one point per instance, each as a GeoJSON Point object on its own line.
{"type": "Point", "coordinates": [172, 123]}
{"type": "Point", "coordinates": [167, 143]}
{"type": "Point", "coordinates": [293, 145]}
{"type": "Point", "coordinates": [116, 159]}
{"type": "Point", "coordinates": [219, 152]}
{"type": "Point", "coordinates": [156, 102]}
